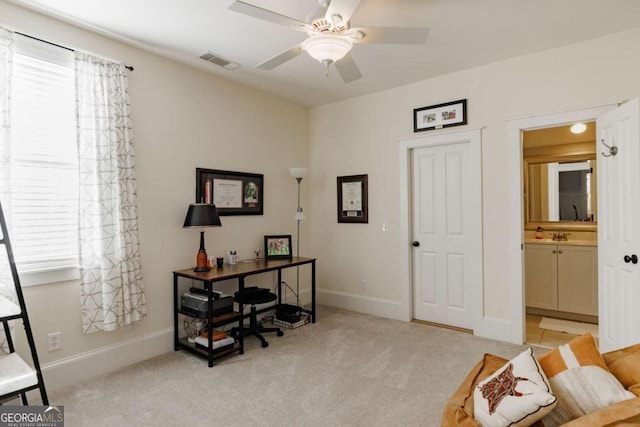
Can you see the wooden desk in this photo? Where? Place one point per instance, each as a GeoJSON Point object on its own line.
{"type": "Point", "coordinates": [238, 271]}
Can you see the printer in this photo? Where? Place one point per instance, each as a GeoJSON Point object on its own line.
{"type": "Point", "coordinates": [196, 304]}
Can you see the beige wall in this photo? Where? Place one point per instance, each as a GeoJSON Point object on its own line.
{"type": "Point", "coordinates": [183, 119]}
{"type": "Point", "coordinates": [360, 136]}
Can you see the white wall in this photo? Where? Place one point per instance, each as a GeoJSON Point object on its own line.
{"type": "Point", "coordinates": [360, 136]}
{"type": "Point", "coordinates": [183, 119]}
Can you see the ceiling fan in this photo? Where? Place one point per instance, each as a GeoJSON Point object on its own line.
{"type": "Point", "coordinates": [331, 38]}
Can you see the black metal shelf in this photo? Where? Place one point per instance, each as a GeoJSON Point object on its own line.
{"type": "Point", "coordinates": [202, 352]}
{"type": "Point", "coordinates": [220, 320]}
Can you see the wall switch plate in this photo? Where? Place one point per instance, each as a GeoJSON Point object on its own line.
{"type": "Point", "coordinates": [363, 284]}
{"type": "Point", "coordinates": [54, 341]}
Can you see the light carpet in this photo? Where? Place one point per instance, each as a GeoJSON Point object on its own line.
{"type": "Point", "coordinates": [568, 326]}
{"type": "Point", "coordinates": [347, 369]}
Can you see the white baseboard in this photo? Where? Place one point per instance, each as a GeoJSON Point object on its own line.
{"type": "Point", "coordinates": [487, 327]}
{"type": "Point", "coordinates": [361, 304]}
{"type": "Point", "coordinates": [85, 366]}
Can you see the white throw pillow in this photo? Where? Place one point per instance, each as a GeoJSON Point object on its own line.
{"type": "Point", "coordinates": [518, 394]}
{"type": "Point", "coordinates": [581, 380]}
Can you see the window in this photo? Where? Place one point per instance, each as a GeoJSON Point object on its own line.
{"type": "Point", "coordinates": [44, 164]}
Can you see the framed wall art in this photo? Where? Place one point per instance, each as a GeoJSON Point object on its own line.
{"type": "Point", "coordinates": [440, 116]}
{"type": "Point", "coordinates": [353, 203]}
{"type": "Point", "coordinates": [233, 193]}
{"type": "Point", "coordinates": [278, 247]}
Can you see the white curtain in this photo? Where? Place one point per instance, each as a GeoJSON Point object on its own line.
{"type": "Point", "coordinates": [110, 271]}
{"type": "Point", "coordinates": [7, 288]}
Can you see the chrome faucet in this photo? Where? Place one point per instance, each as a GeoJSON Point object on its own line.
{"type": "Point", "coordinates": [560, 236]}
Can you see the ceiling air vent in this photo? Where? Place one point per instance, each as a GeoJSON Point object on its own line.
{"type": "Point", "coordinates": [219, 60]}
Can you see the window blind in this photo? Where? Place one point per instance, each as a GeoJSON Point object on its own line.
{"type": "Point", "coordinates": [44, 160]}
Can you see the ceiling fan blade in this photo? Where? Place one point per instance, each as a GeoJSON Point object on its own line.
{"type": "Point", "coordinates": [281, 58]}
{"type": "Point", "coordinates": [348, 69]}
{"type": "Point", "coordinates": [344, 8]}
{"type": "Point", "coordinates": [392, 35]}
{"type": "Point", "coordinates": [266, 15]}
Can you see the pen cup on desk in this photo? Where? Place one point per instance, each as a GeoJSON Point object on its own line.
{"type": "Point", "coordinates": [233, 258]}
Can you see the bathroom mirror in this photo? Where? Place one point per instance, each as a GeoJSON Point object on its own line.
{"type": "Point", "coordinates": [560, 177]}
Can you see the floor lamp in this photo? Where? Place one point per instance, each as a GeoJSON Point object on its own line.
{"type": "Point", "coordinates": [298, 174]}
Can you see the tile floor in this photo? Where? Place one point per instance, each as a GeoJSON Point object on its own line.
{"type": "Point", "coordinates": [544, 337]}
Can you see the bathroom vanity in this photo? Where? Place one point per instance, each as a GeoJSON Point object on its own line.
{"type": "Point", "coordinates": [562, 275]}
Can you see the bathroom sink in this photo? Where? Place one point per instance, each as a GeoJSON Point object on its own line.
{"type": "Point", "coordinates": [542, 241]}
{"type": "Point", "coordinates": [563, 242]}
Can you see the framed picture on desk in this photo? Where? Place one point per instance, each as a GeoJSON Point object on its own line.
{"type": "Point", "coordinates": [278, 247]}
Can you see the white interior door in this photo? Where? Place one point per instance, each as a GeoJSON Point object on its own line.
{"type": "Point", "coordinates": [447, 230]}
{"type": "Point", "coordinates": [619, 227]}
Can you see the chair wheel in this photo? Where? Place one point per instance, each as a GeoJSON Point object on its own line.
{"type": "Point", "coordinates": [280, 333]}
{"type": "Point", "coordinates": [265, 344]}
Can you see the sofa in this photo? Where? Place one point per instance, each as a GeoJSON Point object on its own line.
{"type": "Point", "coordinates": [623, 364]}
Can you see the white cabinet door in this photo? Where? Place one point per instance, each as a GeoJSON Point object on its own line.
{"type": "Point", "coordinates": [578, 279]}
{"type": "Point", "coordinates": [541, 276]}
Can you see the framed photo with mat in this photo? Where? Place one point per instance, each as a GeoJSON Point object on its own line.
{"type": "Point", "coordinates": [233, 193]}
{"type": "Point", "coordinates": [353, 199]}
{"type": "Point", "coordinates": [278, 247]}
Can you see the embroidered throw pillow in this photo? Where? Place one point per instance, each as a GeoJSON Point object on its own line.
{"type": "Point", "coordinates": [580, 378]}
{"type": "Point", "coordinates": [518, 394]}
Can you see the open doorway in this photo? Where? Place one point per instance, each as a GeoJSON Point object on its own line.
{"type": "Point", "coordinates": [518, 215]}
{"type": "Point", "coordinates": [560, 233]}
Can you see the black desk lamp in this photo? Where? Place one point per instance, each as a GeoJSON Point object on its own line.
{"type": "Point", "coordinates": [201, 215]}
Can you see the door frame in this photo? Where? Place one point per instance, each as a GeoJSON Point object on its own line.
{"type": "Point", "coordinates": [515, 240]}
{"type": "Point", "coordinates": [406, 146]}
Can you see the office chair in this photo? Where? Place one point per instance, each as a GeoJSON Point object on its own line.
{"type": "Point", "coordinates": [254, 295]}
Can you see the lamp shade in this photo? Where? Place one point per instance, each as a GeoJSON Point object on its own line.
{"type": "Point", "coordinates": [298, 172]}
{"type": "Point", "coordinates": [202, 215]}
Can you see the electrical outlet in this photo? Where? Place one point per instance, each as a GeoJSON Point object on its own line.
{"type": "Point", "coordinates": [54, 341]}
{"type": "Point", "coordinates": [363, 284]}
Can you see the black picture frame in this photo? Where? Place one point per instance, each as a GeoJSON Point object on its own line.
{"type": "Point", "coordinates": [353, 199]}
{"type": "Point", "coordinates": [238, 193]}
{"type": "Point", "coordinates": [440, 116]}
{"type": "Point", "coordinates": [278, 247]}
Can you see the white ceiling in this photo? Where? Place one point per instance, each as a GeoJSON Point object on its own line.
{"type": "Point", "coordinates": [463, 34]}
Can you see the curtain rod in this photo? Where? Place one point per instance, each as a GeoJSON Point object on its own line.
{"type": "Point", "coordinates": [128, 67]}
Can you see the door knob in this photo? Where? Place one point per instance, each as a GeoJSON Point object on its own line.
{"type": "Point", "coordinates": [415, 244]}
{"type": "Point", "coordinates": [633, 259]}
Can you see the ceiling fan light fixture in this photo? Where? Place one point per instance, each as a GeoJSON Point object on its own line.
{"type": "Point", "coordinates": [327, 48]}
